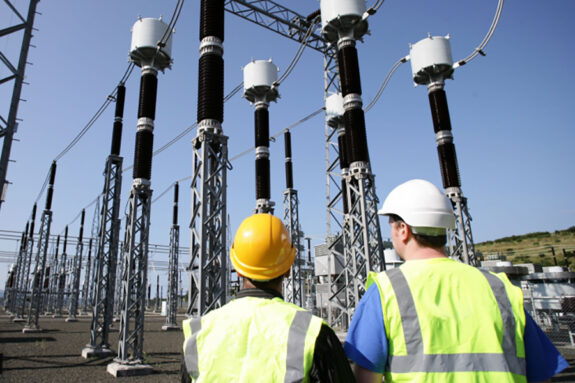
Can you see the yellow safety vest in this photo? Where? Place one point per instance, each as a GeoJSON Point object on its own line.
{"type": "Point", "coordinates": [251, 340]}
{"type": "Point", "coordinates": [448, 322]}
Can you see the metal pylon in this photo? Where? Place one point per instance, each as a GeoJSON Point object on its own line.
{"type": "Point", "coordinates": [172, 307]}
{"type": "Point", "coordinates": [134, 274]}
{"type": "Point", "coordinates": [106, 255]}
{"type": "Point", "coordinates": [40, 264]}
{"type": "Point", "coordinates": [461, 239]}
{"type": "Point", "coordinates": [293, 286]}
{"type": "Point", "coordinates": [208, 270]}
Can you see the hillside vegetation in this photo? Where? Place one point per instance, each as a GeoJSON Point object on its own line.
{"type": "Point", "coordinates": [533, 248]}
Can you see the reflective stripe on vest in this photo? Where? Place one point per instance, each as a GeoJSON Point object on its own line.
{"type": "Point", "coordinates": [295, 347]}
{"type": "Point", "coordinates": [417, 361]}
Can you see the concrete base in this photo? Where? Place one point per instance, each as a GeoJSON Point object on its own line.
{"type": "Point", "coordinates": [71, 319]}
{"type": "Point", "coordinates": [120, 370]}
{"type": "Point", "coordinates": [90, 352]}
{"type": "Point", "coordinates": [27, 330]}
{"type": "Point", "coordinates": [18, 320]}
{"type": "Point", "coordinates": [56, 316]}
{"type": "Point", "coordinates": [168, 327]}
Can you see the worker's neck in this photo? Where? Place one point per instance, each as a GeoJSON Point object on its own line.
{"type": "Point", "coordinates": [249, 284]}
{"type": "Point", "coordinates": [415, 252]}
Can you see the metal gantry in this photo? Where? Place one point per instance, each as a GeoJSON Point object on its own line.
{"type": "Point", "coordinates": [9, 126]}
{"type": "Point", "coordinates": [77, 270]}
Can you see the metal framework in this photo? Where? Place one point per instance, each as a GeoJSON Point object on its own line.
{"type": "Point", "coordinates": [362, 244]}
{"type": "Point", "coordinates": [461, 239]}
{"type": "Point", "coordinates": [209, 274]}
{"type": "Point", "coordinates": [8, 126]}
{"type": "Point", "coordinates": [293, 286]}
{"type": "Point", "coordinates": [172, 306]}
{"type": "Point", "coordinates": [106, 255]}
{"type": "Point", "coordinates": [134, 274]}
{"type": "Point", "coordinates": [77, 270]}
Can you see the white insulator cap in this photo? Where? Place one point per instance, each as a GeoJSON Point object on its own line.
{"type": "Point", "coordinates": [334, 106]}
{"type": "Point", "coordinates": [147, 33]}
{"type": "Point", "coordinates": [259, 79]}
{"type": "Point", "coordinates": [342, 17]}
{"type": "Point", "coordinates": [431, 59]}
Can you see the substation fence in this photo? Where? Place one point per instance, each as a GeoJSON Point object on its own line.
{"type": "Point", "coordinates": [556, 316]}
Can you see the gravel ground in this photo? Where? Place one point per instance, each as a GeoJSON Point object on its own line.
{"type": "Point", "coordinates": [54, 355]}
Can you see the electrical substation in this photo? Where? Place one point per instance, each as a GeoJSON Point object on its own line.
{"type": "Point", "coordinates": [104, 276]}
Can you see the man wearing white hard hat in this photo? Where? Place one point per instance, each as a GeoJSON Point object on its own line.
{"type": "Point", "coordinates": [435, 319]}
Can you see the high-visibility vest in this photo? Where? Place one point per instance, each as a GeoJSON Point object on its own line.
{"type": "Point", "coordinates": [251, 340]}
{"type": "Point", "coordinates": [449, 322]}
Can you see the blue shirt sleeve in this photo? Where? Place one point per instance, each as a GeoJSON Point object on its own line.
{"type": "Point", "coordinates": [543, 360]}
{"type": "Point", "coordinates": [366, 342]}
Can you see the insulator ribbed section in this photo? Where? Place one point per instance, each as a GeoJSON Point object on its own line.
{"type": "Point", "coordinates": [81, 236]}
{"type": "Point", "coordinates": [33, 220]}
{"type": "Point", "coordinates": [343, 157]}
{"type": "Point", "coordinates": [356, 135]}
{"type": "Point", "coordinates": [439, 110]}
{"type": "Point", "coordinates": [65, 240]}
{"type": "Point", "coordinates": [143, 154]}
{"type": "Point", "coordinates": [287, 143]}
{"type": "Point", "coordinates": [148, 92]}
{"type": "Point", "coordinates": [212, 19]}
{"type": "Point", "coordinates": [448, 163]}
{"type": "Point", "coordinates": [262, 178]}
{"type": "Point", "coordinates": [262, 127]}
{"type": "Point", "coordinates": [349, 70]}
{"type": "Point", "coordinates": [344, 196]}
{"type": "Point", "coordinates": [289, 175]}
{"type": "Point", "coordinates": [211, 88]}
{"type": "Point", "coordinates": [175, 215]}
{"type": "Point", "coordinates": [117, 132]}
{"type": "Point", "coordinates": [50, 192]}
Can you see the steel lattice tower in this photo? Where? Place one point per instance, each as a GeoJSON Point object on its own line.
{"type": "Point", "coordinates": [172, 308]}
{"type": "Point", "coordinates": [151, 50]}
{"type": "Point", "coordinates": [25, 275]}
{"type": "Point", "coordinates": [21, 266]}
{"type": "Point", "coordinates": [208, 264]}
{"type": "Point", "coordinates": [106, 258]}
{"type": "Point", "coordinates": [17, 74]}
{"type": "Point", "coordinates": [77, 270]}
{"type": "Point", "coordinates": [293, 285]}
{"type": "Point", "coordinates": [40, 261]}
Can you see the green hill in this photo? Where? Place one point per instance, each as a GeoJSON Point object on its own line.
{"type": "Point", "coordinates": [533, 248]}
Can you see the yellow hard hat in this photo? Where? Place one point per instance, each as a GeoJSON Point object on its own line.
{"type": "Point", "coordinates": [262, 249]}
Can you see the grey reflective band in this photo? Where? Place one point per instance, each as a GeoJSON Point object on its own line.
{"type": "Point", "coordinates": [296, 346]}
{"type": "Point", "coordinates": [191, 349]}
{"type": "Point", "coordinates": [417, 361]}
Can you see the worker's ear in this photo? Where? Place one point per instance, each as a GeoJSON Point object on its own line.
{"type": "Point", "coordinates": [404, 232]}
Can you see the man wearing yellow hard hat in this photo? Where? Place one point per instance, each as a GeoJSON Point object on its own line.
{"type": "Point", "coordinates": [258, 337]}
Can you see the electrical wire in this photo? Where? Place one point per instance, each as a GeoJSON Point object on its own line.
{"type": "Point", "coordinates": [385, 82]}
{"type": "Point", "coordinates": [170, 29]}
{"type": "Point", "coordinates": [298, 54]}
{"type": "Point", "coordinates": [483, 44]}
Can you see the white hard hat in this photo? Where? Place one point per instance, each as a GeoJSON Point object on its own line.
{"type": "Point", "coordinates": [422, 206]}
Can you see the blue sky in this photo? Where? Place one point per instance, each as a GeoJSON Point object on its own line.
{"type": "Point", "coordinates": [511, 112]}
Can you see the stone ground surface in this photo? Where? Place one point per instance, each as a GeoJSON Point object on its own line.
{"type": "Point", "coordinates": [54, 355]}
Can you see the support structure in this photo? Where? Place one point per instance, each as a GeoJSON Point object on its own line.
{"type": "Point", "coordinates": [362, 235]}
{"type": "Point", "coordinates": [20, 267]}
{"type": "Point", "coordinates": [208, 264]}
{"type": "Point", "coordinates": [25, 276]}
{"type": "Point", "coordinates": [9, 126]}
{"type": "Point", "coordinates": [431, 64]}
{"type": "Point", "coordinates": [77, 270]}
{"type": "Point", "coordinates": [40, 262]}
{"type": "Point", "coordinates": [151, 50]}
{"type": "Point", "coordinates": [293, 285]}
{"type": "Point", "coordinates": [172, 306]}
{"type": "Point", "coordinates": [87, 281]}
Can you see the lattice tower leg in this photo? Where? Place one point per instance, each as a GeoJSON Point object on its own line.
{"type": "Point", "coordinates": [294, 283]}
{"type": "Point", "coordinates": [75, 292]}
{"type": "Point", "coordinates": [461, 239]}
{"type": "Point", "coordinates": [208, 265]}
{"type": "Point", "coordinates": [134, 276]}
{"type": "Point", "coordinates": [106, 258]}
{"type": "Point", "coordinates": [40, 264]}
{"type": "Point", "coordinates": [172, 307]}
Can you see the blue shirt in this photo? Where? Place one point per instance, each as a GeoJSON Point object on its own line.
{"type": "Point", "coordinates": [366, 342]}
